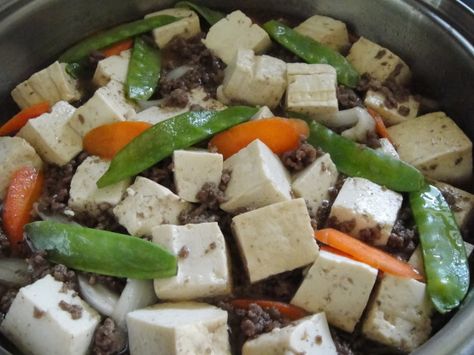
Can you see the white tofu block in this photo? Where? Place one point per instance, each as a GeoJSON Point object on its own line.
{"type": "Point", "coordinates": [258, 178]}
{"type": "Point", "coordinates": [369, 57]}
{"type": "Point", "coordinates": [434, 144]}
{"type": "Point", "coordinates": [65, 84]}
{"type": "Point", "coordinates": [391, 116]}
{"type": "Point", "coordinates": [338, 286]}
{"type": "Point", "coordinates": [84, 194]}
{"type": "Point", "coordinates": [314, 182]}
{"type": "Point", "coordinates": [372, 207]}
{"type": "Point", "coordinates": [51, 136]}
{"type": "Point", "coordinates": [25, 96]}
{"type": "Point", "coordinates": [326, 30]}
{"type": "Point", "coordinates": [37, 324]}
{"type": "Point", "coordinates": [387, 147]}
{"type": "Point", "coordinates": [254, 80]}
{"type": "Point", "coordinates": [188, 25]}
{"type": "Point", "coordinates": [311, 89]}
{"type": "Point", "coordinates": [178, 329]}
{"type": "Point", "coordinates": [203, 269]}
{"type": "Point", "coordinates": [263, 112]}
{"type": "Point", "coordinates": [309, 335]}
{"type": "Point", "coordinates": [107, 105]}
{"type": "Point", "coordinates": [114, 68]}
{"type": "Point", "coordinates": [234, 32]}
{"type": "Point", "coordinates": [399, 315]}
{"type": "Point", "coordinates": [148, 204]}
{"type": "Point", "coordinates": [15, 153]}
{"type": "Point", "coordinates": [285, 239]}
{"type": "Point", "coordinates": [193, 168]}
{"type": "Point", "coordinates": [43, 84]}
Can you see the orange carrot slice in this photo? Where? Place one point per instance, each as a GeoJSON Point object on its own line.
{"type": "Point", "coordinates": [24, 189]}
{"type": "Point", "coordinates": [15, 123]}
{"type": "Point", "coordinates": [288, 310]}
{"type": "Point", "coordinates": [118, 47]}
{"type": "Point", "coordinates": [107, 140]}
{"type": "Point", "coordinates": [279, 134]}
{"type": "Point", "coordinates": [379, 125]}
{"type": "Point", "coordinates": [366, 254]}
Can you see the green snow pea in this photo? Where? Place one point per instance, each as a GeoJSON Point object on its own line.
{"type": "Point", "coordinates": [159, 141]}
{"type": "Point", "coordinates": [312, 52]}
{"type": "Point", "coordinates": [211, 16]}
{"type": "Point", "coordinates": [444, 253]}
{"type": "Point", "coordinates": [102, 252]}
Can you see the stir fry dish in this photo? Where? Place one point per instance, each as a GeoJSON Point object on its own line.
{"type": "Point", "coordinates": [199, 182]}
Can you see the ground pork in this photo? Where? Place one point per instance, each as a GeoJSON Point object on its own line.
{"type": "Point", "coordinates": [108, 339]}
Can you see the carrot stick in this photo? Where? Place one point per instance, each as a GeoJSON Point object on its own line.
{"type": "Point", "coordinates": [288, 310]}
{"type": "Point", "coordinates": [379, 125]}
{"type": "Point", "coordinates": [366, 254]}
{"type": "Point", "coordinates": [24, 189]}
{"type": "Point", "coordinates": [15, 123]}
{"type": "Point", "coordinates": [107, 140]}
{"type": "Point", "coordinates": [279, 134]}
{"type": "Point", "coordinates": [118, 47]}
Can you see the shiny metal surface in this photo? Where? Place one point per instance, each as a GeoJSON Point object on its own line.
{"type": "Point", "coordinates": [435, 37]}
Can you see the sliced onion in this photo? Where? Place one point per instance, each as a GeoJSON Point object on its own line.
{"type": "Point", "coordinates": [98, 296]}
{"type": "Point", "coordinates": [60, 218]}
{"type": "Point", "coordinates": [361, 130]}
{"type": "Point", "coordinates": [178, 72]}
{"type": "Point", "coordinates": [136, 294]}
{"type": "Point", "coordinates": [341, 119]}
{"type": "Point", "coordinates": [14, 272]}
{"type": "Point", "coordinates": [143, 105]}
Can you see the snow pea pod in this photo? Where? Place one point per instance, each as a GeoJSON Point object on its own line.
{"type": "Point", "coordinates": [444, 253]}
{"type": "Point", "coordinates": [211, 16]}
{"type": "Point", "coordinates": [102, 252]}
{"type": "Point", "coordinates": [312, 51]}
{"type": "Point", "coordinates": [159, 141]}
{"type": "Point", "coordinates": [357, 160]}
{"type": "Point", "coordinates": [143, 70]}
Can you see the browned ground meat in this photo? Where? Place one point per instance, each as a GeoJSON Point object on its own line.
{"type": "Point", "coordinates": [6, 299]}
{"type": "Point", "coordinates": [161, 173]}
{"type": "Point", "coordinates": [347, 98]}
{"type": "Point", "coordinates": [320, 219]}
{"type": "Point", "coordinates": [4, 243]}
{"type": "Point", "coordinates": [74, 310]}
{"type": "Point", "coordinates": [116, 284]}
{"type": "Point", "coordinates": [300, 158]}
{"type": "Point", "coordinates": [105, 220]}
{"type": "Point", "coordinates": [404, 237]}
{"type": "Point", "coordinates": [108, 339]}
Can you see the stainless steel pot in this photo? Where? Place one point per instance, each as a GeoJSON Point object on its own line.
{"type": "Point", "coordinates": [435, 37]}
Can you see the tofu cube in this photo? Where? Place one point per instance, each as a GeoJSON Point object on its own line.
{"type": "Point", "coordinates": [387, 147]}
{"type": "Point", "coordinates": [37, 324]}
{"type": "Point", "coordinates": [309, 335]}
{"type": "Point", "coordinates": [234, 32]}
{"type": "Point", "coordinates": [187, 26]}
{"type": "Point", "coordinates": [179, 329]}
{"type": "Point", "coordinates": [392, 116]}
{"type": "Point", "coordinates": [114, 68]}
{"type": "Point", "coordinates": [399, 314]}
{"type": "Point", "coordinates": [382, 64]}
{"type": "Point", "coordinates": [148, 204]}
{"type": "Point", "coordinates": [254, 80]}
{"type": "Point", "coordinates": [311, 89]}
{"type": "Point", "coordinates": [326, 30]}
{"type": "Point", "coordinates": [107, 105]}
{"type": "Point", "coordinates": [263, 112]}
{"type": "Point", "coordinates": [434, 144]}
{"type": "Point", "coordinates": [314, 182]}
{"type": "Point", "coordinates": [51, 136]}
{"type": "Point", "coordinates": [275, 239]}
{"type": "Point", "coordinates": [25, 96]}
{"type": "Point", "coordinates": [15, 153]}
{"type": "Point", "coordinates": [371, 209]}
{"type": "Point", "coordinates": [193, 168]}
{"type": "Point", "coordinates": [66, 84]}
{"type": "Point", "coordinates": [339, 286]}
{"type": "Point", "coordinates": [203, 268]}
{"type": "Point", "coordinates": [43, 84]}
{"type": "Point", "coordinates": [258, 178]}
{"type": "Point", "coordinates": [84, 194]}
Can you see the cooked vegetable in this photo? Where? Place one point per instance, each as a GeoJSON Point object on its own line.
{"type": "Point", "coordinates": [99, 251]}
{"type": "Point", "coordinates": [312, 52]}
{"type": "Point", "coordinates": [287, 310]}
{"type": "Point", "coordinates": [105, 141]}
{"type": "Point", "coordinates": [24, 189]}
{"type": "Point", "coordinates": [279, 134]}
{"type": "Point", "coordinates": [356, 160]}
{"type": "Point", "coordinates": [379, 125]}
{"type": "Point", "coordinates": [14, 272]}
{"type": "Point", "coordinates": [162, 139]}
{"type": "Point", "coordinates": [143, 70]}
{"type": "Point", "coordinates": [15, 123]}
{"type": "Point", "coordinates": [211, 16]}
{"type": "Point", "coordinates": [117, 48]}
{"type": "Point", "coordinates": [444, 254]}
{"type": "Point", "coordinates": [334, 251]}
{"type": "Point", "coordinates": [98, 296]}
{"type": "Point", "coordinates": [366, 254]}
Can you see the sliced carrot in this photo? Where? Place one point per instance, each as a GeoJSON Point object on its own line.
{"type": "Point", "coordinates": [288, 310]}
{"type": "Point", "coordinates": [15, 123]}
{"type": "Point", "coordinates": [334, 251]}
{"type": "Point", "coordinates": [24, 190]}
{"type": "Point", "coordinates": [366, 254]}
{"type": "Point", "coordinates": [107, 140]}
{"type": "Point", "coordinates": [379, 125]}
{"type": "Point", "coordinates": [118, 47]}
{"type": "Point", "coordinates": [279, 134]}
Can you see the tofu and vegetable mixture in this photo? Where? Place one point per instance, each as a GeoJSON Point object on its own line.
{"type": "Point", "coordinates": [199, 182]}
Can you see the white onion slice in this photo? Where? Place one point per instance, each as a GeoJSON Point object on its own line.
{"type": "Point", "coordinates": [361, 130]}
{"type": "Point", "coordinates": [98, 296]}
{"type": "Point", "coordinates": [14, 272]}
{"type": "Point", "coordinates": [178, 72]}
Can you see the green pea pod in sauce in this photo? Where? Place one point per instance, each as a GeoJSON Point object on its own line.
{"type": "Point", "coordinates": [159, 141]}
{"type": "Point", "coordinates": [102, 252]}
{"type": "Point", "coordinates": [357, 160]}
{"type": "Point", "coordinates": [444, 253]}
{"type": "Point", "coordinates": [143, 70]}
{"type": "Point", "coordinates": [312, 52]}
{"type": "Point", "coordinates": [211, 16]}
